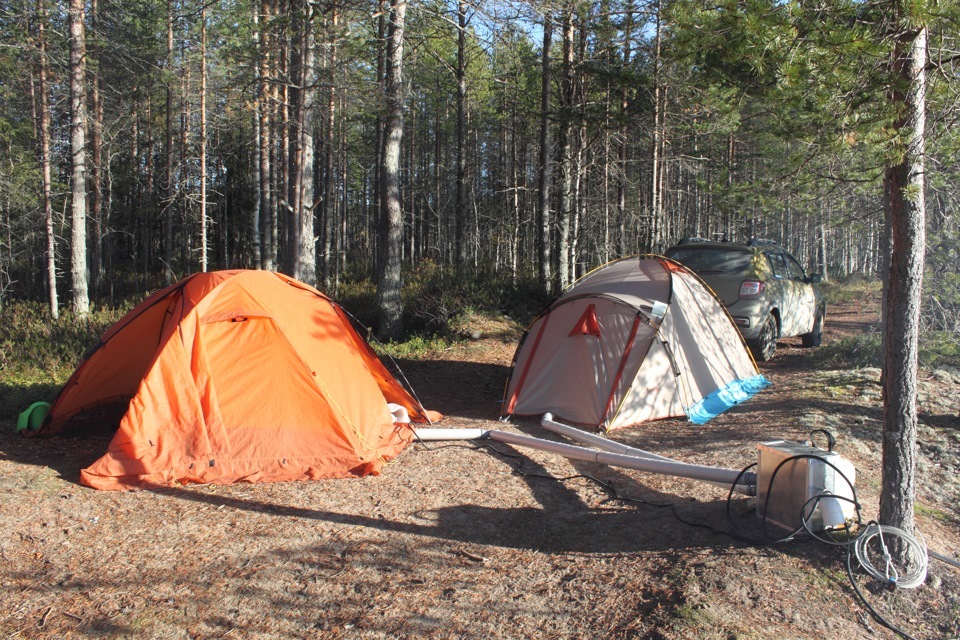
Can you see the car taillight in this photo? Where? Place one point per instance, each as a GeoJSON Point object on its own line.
{"type": "Point", "coordinates": [751, 289]}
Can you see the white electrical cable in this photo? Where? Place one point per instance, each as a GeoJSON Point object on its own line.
{"type": "Point", "coordinates": [910, 580]}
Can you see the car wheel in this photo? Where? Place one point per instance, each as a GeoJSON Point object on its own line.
{"type": "Point", "coordinates": [766, 343]}
{"type": "Point", "coordinates": [815, 337]}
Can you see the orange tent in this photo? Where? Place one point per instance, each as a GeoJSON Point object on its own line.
{"type": "Point", "coordinates": [234, 376]}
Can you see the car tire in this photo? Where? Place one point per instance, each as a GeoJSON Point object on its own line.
{"type": "Point", "coordinates": [815, 337]}
{"type": "Point", "coordinates": [765, 346]}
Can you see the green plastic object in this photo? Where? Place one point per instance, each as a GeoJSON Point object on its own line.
{"type": "Point", "coordinates": [32, 418]}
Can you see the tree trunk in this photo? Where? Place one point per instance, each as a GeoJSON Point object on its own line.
{"type": "Point", "coordinates": [275, 143]}
{"type": "Point", "coordinates": [544, 272]}
{"type": "Point", "coordinates": [566, 152]}
{"type": "Point", "coordinates": [258, 107]}
{"type": "Point", "coordinates": [96, 157]}
{"type": "Point", "coordinates": [656, 164]}
{"type": "Point", "coordinates": [168, 158]}
{"type": "Point", "coordinates": [390, 282]}
{"type": "Point", "coordinates": [267, 202]}
{"type": "Point", "coordinates": [45, 163]}
{"type": "Point", "coordinates": [78, 153]}
{"type": "Point", "coordinates": [203, 138]}
{"type": "Point", "coordinates": [306, 248]}
{"type": "Point", "coordinates": [330, 138]}
{"type": "Point", "coordinates": [460, 248]}
{"type": "Point", "coordinates": [823, 251]}
{"type": "Point", "coordinates": [904, 189]}
{"type": "Point", "coordinates": [379, 125]}
{"type": "Point", "coordinates": [184, 183]}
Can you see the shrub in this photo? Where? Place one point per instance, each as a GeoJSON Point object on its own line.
{"type": "Point", "coordinates": [36, 346]}
{"type": "Point", "coordinates": [852, 289]}
{"type": "Point", "coordinates": [434, 298]}
{"type": "Point", "coordinates": [855, 352]}
{"type": "Point", "coordinates": [38, 354]}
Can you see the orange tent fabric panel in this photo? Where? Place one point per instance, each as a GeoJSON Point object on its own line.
{"type": "Point", "coordinates": [236, 376]}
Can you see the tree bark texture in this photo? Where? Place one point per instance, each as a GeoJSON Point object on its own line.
{"type": "Point", "coordinates": [544, 225]}
{"type": "Point", "coordinates": [96, 155]}
{"type": "Point", "coordinates": [460, 213]}
{"type": "Point", "coordinates": [257, 178]}
{"type": "Point", "coordinates": [53, 303]}
{"type": "Point", "coordinates": [168, 158]}
{"type": "Point", "coordinates": [904, 188]}
{"type": "Point", "coordinates": [78, 154]}
{"type": "Point", "coordinates": [329, 206]}
{"type": "Point", "coordinates": [306, 249]}
{"type": "Point", "coordinates": [389, 284]}
{"type": "Point", "coordinates": [565, 151]}
{"type": "Point", "coordinates": [203, 139]}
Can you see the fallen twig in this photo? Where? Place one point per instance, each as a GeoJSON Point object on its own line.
{"type": "Point", "coordinates": [43, 619]}
{"type": "Point", "coordinates": [470, 556]}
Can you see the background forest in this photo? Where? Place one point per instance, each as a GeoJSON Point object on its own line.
{"type": "Point", "coordinates": [539, 139]}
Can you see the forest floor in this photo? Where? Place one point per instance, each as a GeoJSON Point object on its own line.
{"type": "Point", "coordinates": [466, 541]}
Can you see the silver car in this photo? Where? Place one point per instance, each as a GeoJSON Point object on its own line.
{"type": "Point", "coordinates": [764, 288]}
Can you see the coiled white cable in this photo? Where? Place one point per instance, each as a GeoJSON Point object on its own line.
{"type": "Point", "coordinates": [912, 579]}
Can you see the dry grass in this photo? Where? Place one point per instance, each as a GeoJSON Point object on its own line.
{"type": "Point", "coordinates": [470, 542]}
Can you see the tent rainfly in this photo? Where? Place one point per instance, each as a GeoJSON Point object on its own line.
{"type": "Point", "coordinates": [637, 339]}
{"type": "Point", "coordinates": [234, 376]}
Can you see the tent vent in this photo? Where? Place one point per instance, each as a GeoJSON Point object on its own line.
{"type": "Point", "coordinates": [212, 462]}
{"type": "Point", "coordinates": [587, 324]}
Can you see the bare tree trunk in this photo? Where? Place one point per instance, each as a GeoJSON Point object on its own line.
{"type": "Point", "coordinates": [183, 163]}
{"type": "Point", "coordinates": [460, 221]}
{"type": "Point", "coordinates": [168, 158]}
{"type": "Point", "coordinates": [622, 155]}
{"type": "Point", "coordinates": [329, 205]}
{"type": "Point", "coordinates": [904, 187]}
{"type": "Point", "coordinates": [78, 153]}
{"type": "Point", "coordinates": [390, 282]}
{"type": "Point", "coordinates": [823, 250]}
{"type": "Point", "coordinates": [96, 157]}
{"type": "Point", "coordinates": [656, 165]}
{"type": "Point", "coordinates": [565, 151]}
{"type": "Point", "coordinates": [258, 108]}
{"type": "Point", "coordinates": [305, 250]}
{"type": "Point", "coordinates": [380, 125]}
{"type": "Point", "coordinates": [516, 176]}
{"type": "Point", "coordinates": [284, 163]}
{"type": "Point", "coordinates": [544, 261]}
{"type": "Point", "coordinates": [203, 138]}
{"type": "Point", "coordinates": [145, 195]}
{"type": "Point", "coordinates": [267, 201]}
{"type": "Point", "coordinates": [45, 163]}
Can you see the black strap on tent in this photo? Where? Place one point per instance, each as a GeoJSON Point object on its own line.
{"type": "Point", "coordinates": [673, 359]}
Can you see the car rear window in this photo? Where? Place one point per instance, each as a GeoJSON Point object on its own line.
{"type": "Point", "coordinates": [712, 260]}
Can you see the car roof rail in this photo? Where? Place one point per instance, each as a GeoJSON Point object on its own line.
{"type": "Point", "coordinates": [692, 240]}
{"type": "Point", "coordinates": [757, 242]}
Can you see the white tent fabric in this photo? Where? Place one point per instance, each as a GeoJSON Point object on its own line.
{"type": "Point", "coordinates": [605, 354]}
